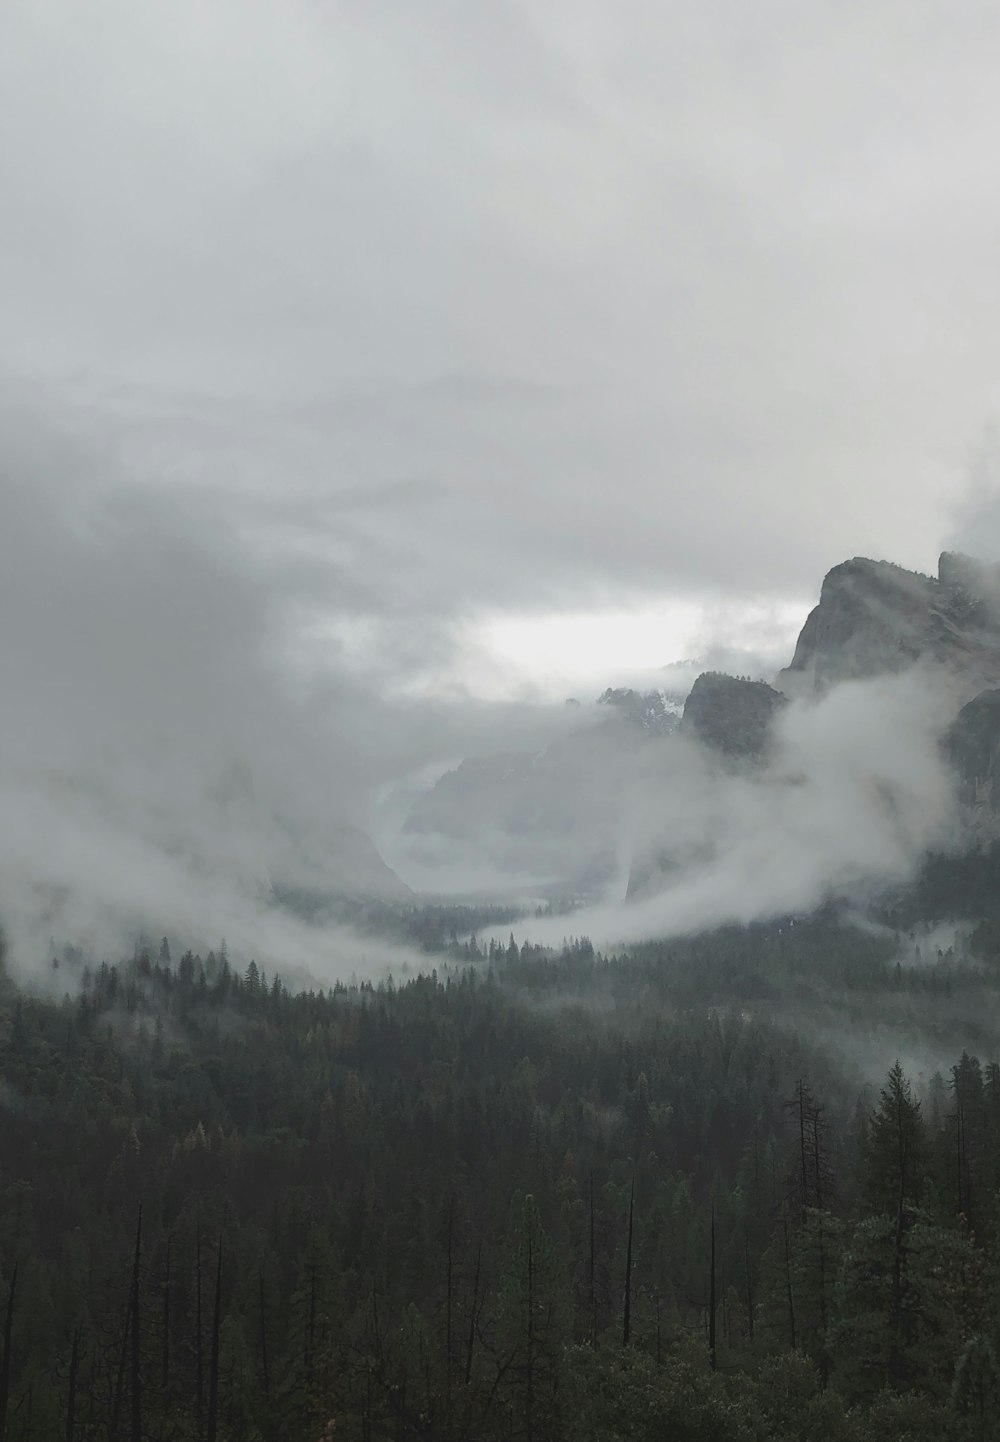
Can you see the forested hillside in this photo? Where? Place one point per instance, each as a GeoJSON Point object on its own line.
{"type": "Point", "coordinates": [522, 1196]}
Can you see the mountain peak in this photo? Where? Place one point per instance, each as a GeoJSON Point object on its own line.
{"type": "Point", "coordinates": [960, 572]}
{"type": "Point", "coordinates": [732, 714]}
{"type": "Point", "coordinates": [875, 617]}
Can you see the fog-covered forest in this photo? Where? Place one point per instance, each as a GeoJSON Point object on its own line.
{"type": "Point", "coordinates": [499, 721]}
{"type": "Point", "coordinates": [516, 1195]}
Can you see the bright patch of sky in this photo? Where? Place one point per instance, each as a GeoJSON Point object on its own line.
{"type": "Point", "coordinates": [551, 657]}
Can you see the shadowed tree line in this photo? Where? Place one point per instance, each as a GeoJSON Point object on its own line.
{"type": "Point", "coordinates": [528, 1198]}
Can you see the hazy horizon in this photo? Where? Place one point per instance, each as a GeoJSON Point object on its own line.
{"type": "Point", "coordinates": [371, 382]}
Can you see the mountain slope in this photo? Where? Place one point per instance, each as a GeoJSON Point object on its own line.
{"type": "Point", "coordinates": [552, 815]}
{"type": "Point", "coordinates": [874, 618]}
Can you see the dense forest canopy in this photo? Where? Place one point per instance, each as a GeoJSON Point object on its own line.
{"type": "Point", "coordinates": [520, 1194]}
{"type": "Point", "coordinates": [450, 457]}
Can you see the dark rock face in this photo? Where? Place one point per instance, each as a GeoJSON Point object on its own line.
{"type": "Point", "coordinates": [973, 746]}
{"type": "Point", "coordinates": [875, 618]}
{"type": "Point", "coordinates": [732, 715]}
{"type": "Point", "coordinates": [978, 579]}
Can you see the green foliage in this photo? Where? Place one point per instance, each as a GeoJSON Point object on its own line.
{"type": "Point", "coordinates": [626, 1397]}
{"type": "Point", "coordinates": [906, 1299]}
{"type": "Point", "coordinates": [422, 1192]}
{"type": "Point", "coordinates": [896, 1147]}
{"type": "Point", "coordinates": [974, 1405]}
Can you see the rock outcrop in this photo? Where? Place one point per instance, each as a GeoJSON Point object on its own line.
{"type": "Point", "coordinates": [875, 618]}
{"type": "Point", "coordinates": [973, 747]}
{"type": "Point", "coordinates": [732, 715]}
{"type": "Point", "coordinates": [569, 813]}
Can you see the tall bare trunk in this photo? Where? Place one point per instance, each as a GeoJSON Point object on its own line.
{"type": "Point", "coordinates": [213, 1376]}
{"type": "Point", "coordinates": [8, 1332]}
{"type": "Point", "coordinates": [135, 1373]}
{"type": "Point", "coordinates": [711, 1297]}
{"type": "Point", "coordinates": [627, 1318]}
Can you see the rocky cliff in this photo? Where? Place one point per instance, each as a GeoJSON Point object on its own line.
{"type": "Point", "coordinates": [563, 813]}
{"type": "Point", "coordinates": [874, 617]}
{"type": "Point", "coordinates": [973, 747]}
{"type": "Point", "coordinates": [732, 715]}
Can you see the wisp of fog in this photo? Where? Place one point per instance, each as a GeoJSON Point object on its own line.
{"type": "Point", "coordinates": [856, 792]}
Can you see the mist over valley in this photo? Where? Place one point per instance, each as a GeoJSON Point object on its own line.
{"type": "Point", "coordinates": [499, 722]}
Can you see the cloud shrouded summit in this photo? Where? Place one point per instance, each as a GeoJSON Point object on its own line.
{"type": "Point", "coordinates": [550, 307]}
{"type": "Point", "coordinates": [338, 339]}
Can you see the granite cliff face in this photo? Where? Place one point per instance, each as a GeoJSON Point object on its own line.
{"type": "Point", "coordinates": [875, 618]}
{"type": "Point", "coordinates": [732, 715]}
{"type": "Point", "coordinates": [565, 811]}
{"type": "Point", "coordinates": [973, 747]}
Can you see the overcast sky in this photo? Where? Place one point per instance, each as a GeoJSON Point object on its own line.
{"type": "Point", "coordinates": [451, 319]}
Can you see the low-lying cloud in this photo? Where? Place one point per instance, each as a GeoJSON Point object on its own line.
{"type": "Point", "coordinates": [165, 764]}
{"type": "Point", "coordinates": [855, 794]}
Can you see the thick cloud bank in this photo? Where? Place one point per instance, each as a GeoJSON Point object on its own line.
{"type": "Point", "coordinates": [156, 771]}
{"type": "Point", "coordinates": [856, 792]}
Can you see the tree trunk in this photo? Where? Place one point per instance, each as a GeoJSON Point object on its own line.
{"type": "Point", "coordinates": [74, 1369]}
{"type": "Point", "coordinates": [199, 1363]}
{"type": "Point", "coordinates": [788, 1286]}
{"type": "Point", "coordinates": [817, 1156]}
{"type": "Point", "coordinates": [894, 1366]}
{"type": "Point", "coordinates": [470, 1343]}
{"type": "Point", "coordinates": [213, 1376]}
{"type": "Point", "coordinates": [8, 1330]}
{"type": "Point", "coordinates": [711, 1298]}
{"type": "Point", "coordinates": [530, 1369]}
{"type": "Point", "coordinates": [896, 1312]}
{"type": "Point", "coordinates": [593, 1289]}
{"type": "Point", "coordinates": [135, 1376]}
{"type": "Point", "coordinates": [311, 1325]}
{"type": "Point", "coordinates": [824, 1361]}
{"type": "Point", "coordinates": [119, 1395]}
{"type": "Point", "coordinates": [804, 1195]}
{"type": "Point", "coordinates": [447, 1320]}
{"type": "Point", "coordinates": [265, 1369]}
{"type": "Point", "coordinates": [627, 1318]}
{"type": "Point", "coordinates": [165, 1361]}
{"type": "Point", "coordinates": [960, 1139]}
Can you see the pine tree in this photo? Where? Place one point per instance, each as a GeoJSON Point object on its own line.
{"type": "Point", "coordinates": [974, 1404]}
{"type": "Point", "coordinates": [532, 1324]}
{"type": "Point", "coordinates": [895, 1148]}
